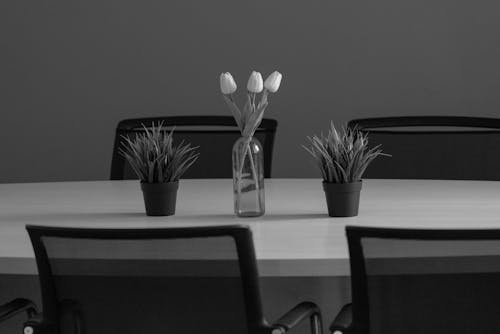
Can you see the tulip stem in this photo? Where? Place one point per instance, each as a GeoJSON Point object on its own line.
{"type": "Point", "coordinates": [254, 172]}
{"type": "Point", "coordinates": [240, 171]}
{"type": "Point", "coordinates": [247, 150]}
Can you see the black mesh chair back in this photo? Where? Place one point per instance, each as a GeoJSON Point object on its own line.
{"type": "Point", "coordinates": [425, 281]}
{"type": "Point", "coordinates": [434, 147]}
{"type": "Point", "coordinates": [214, 135]}
{"type": "Point", "coordinates": [130, 281]}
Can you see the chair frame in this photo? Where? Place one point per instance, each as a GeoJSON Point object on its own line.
{"type": "Point", "coordinates": [372, 124]}
{"type": "Point", "coordinates": [472, 127]}
{"type": "Point", "coordinates": [355, 317]}
{"type": "Point", "coordinates": [242, 236]}
{"type": "Point", "coordinates": [267, 126]}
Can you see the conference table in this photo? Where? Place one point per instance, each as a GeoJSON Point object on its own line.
{"type": "Point", "coordinates": [301, 252]}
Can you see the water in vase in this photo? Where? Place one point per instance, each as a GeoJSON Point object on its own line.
{"type": "Point", "coordinates": [248, 178]}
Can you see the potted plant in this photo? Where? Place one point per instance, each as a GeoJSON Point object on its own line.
{"type": "Point", "coordinates": [159, 164]}
{"type": "Point", "coordinates": [342, 157]}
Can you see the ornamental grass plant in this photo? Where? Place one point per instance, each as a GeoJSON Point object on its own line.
{"type": "Point", "coordinates": [342, 156]}
{"type": "Point", "coordinates": [155, 158]}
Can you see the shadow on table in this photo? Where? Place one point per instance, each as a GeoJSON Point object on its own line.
{"type": "Point", "coordinates": [267, 217]}
{"type": "Point", "coordinates": [42, 218]}
{"type": "Point", "coordinates": [140, 217]}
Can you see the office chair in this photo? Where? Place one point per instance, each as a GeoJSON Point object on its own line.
{"type": "Point", "coordinates": [434, 147]}
{"type": "Point", "coordinates": [431, 281]}
{"type": "Point", "coordinates": [214, 135]}
{"type": "Point", "coordinates": [169, 280]}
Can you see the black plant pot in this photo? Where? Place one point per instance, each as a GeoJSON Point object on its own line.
{"type": "Point", "coordinates": [160, 198]}
{"type": "Point", "coordinates": [342, 199]}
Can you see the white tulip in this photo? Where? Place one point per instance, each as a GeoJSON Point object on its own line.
{"type": "Point", "coordinates": [273, 82]}
{"type": "Point", "coordinates": [227, 83]}
{"type": "Point", "coordinates": [255, 83]}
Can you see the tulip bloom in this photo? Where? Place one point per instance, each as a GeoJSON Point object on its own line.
{"type": "Point", "coordinates": [255, 83]}
{"type": "Point", "coordinates": [227, 83]}
{"type": "Point", "coordinates": [273, 82]}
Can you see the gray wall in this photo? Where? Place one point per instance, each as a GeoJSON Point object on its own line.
{"type": "Point", "coordinates": [69, 70]}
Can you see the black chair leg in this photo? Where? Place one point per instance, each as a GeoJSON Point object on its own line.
{"type": "Point", "coordinates": [316, 324]}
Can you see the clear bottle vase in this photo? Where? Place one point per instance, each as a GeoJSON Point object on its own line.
{"type": "Point", "coordinates": [248, 177]}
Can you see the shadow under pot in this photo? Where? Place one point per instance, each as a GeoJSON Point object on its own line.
{"type": "Point", "coordinates": [160, 198]}
{"type": "Point", "coordinates": [342, 199]}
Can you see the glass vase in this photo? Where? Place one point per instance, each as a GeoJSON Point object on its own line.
{"type": "Point", "coordinates": [248, 177]}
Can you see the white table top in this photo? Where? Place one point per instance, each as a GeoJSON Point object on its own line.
{"type": "Point", "coordinates": [294, 238]}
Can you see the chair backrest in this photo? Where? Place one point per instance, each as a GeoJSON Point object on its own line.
{"type": "Point", "coordinates": [424, 281]}
{"type": "Point", "coordinates": [434, 147]}
{"type": "Point", "coordinates": [214, 135]}
{"type": "Point", "coordinates": [129, 281]}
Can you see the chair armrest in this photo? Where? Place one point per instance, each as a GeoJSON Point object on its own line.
{"type": "Point", "coordinates": [17, 306]}
{"type": "Point", "coordinates": [302, 311]}
{"type": "Point", "coordinates": [37, 325]}
{"type": "Point", "coordinates": [343, 320]}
